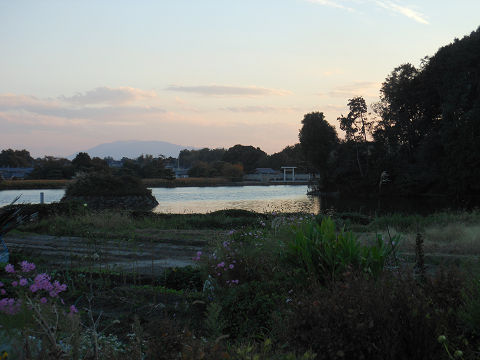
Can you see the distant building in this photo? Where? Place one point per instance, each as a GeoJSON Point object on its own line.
{"type": "Point", "coordinates": [8, 173]}
{"type": "Point", "coordinates": [180, 173]}
{"type": "Point", "coordinates": [114, 163]}
{"type": "Point", "coordinates": [270, 175]}
{"type": "Point", "coordinates": [263, 175]}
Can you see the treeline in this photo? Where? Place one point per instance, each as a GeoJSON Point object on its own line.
{"type": "Point", "coordinates": [49, 167]}
{"type": "Point", "coordinates": [239, 159]}
{"type": "Point", "coordinates": [422, 138]}
{"type": "Point", "coordinates": [230, 163]}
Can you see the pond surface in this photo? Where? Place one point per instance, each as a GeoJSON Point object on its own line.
{"type": "Point", "coordinates": [182, 200]}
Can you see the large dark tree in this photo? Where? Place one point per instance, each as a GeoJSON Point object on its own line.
{"type": "Point", "coordinates": [249, 156]}
{"type": "Point", "coordinates": [318, 140]}
{"type": "Point", "coordinates": [429, 124]}
{"type": "Point", "coordinates": [51, 167]}
{"type": "Point", "coordinates": [15, 158]}
{"type": "Point", "coordinates": [189, 157]}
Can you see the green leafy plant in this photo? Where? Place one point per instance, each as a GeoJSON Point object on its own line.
{"type": "Point", "coordinates": [326, 253]}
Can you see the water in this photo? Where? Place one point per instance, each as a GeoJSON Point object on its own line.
{"type": "Point", "coordinates": [30, 196]}
{"type": "Point", "coordinates": [182, 200]}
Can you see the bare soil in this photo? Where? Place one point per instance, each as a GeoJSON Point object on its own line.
{"type": "Point", "coordinates": [149, 254]}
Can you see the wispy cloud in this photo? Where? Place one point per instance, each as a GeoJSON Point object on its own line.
{"type": "Point", "coordinates": [110, 96]}
{"type": "Point", "coordinates": [403, 10]}
{"type": "Point", "coordinates": [30, 106]}
{"type": "Point", "coordinates": [225, 90]}
{"type": "Point", "coordinates": [331, 3]}
{"type": "Point", "coordinates": [259, 109]}
{"type": "Point", "coordinates": [392, 6]}
{"type": "Point", "coordinates": [363, 88]}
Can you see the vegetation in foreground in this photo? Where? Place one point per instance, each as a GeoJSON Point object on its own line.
{"type": "Point", "coordinates": [279, 286]}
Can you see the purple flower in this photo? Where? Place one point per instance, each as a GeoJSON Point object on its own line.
{"type": "Point", "coordinates": [23, 282]}
{"type": "Point", "coordinates": [221, 265]}
{"type": "Point", "coordinates": [231, 266]}
{"type": "Point", "coordinates": [1, 284]}
{"type": "Point", "coordinates": [9, 268]}
{"type": "Point", "coordinates": [26, 266]}
{"type": "Point", "coordinates": [9, 306]}
{"type": "Point", "coordinates": [14, 283]}
{"type": "Point", "coordinates": [2, 292]}
{"type": "Point", "coordinates": [43, 300]}
{"type": "Point", "coordinates": [73, 309]}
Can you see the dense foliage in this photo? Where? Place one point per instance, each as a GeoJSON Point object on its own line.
{"type": "Point", "coordinates": [423, 138]}
{"type": "Point", "coordinates": [105, 184]}
{"type": "Point", "coordinates": [15, 158]}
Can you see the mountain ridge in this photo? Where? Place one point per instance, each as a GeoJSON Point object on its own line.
{"type": "Point", "coordinates": [134, 148]}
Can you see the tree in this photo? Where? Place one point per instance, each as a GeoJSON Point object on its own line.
{"type": "Point", "coordinates": [189, 157]}
{"type": "Point", "coordinates": [15, 158]}
{"type": "Point", "coordinates": [52, 168]}
{"type": "Point", "coordinates": [82, 162]}
{"type": "Point", "coordinates": [249, 156]}
{"type": "Point", "coordinates": [356, 125]}
{"type": "Point", "coordinates": [318, 140]}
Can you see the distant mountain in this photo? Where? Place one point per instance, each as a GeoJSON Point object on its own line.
{"type": "Point", "coordinates": [133, 149]}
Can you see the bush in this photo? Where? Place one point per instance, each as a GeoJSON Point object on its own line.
{"type": "Point", "coordinates": [105, 184]}
{"type": "Point", "coordinates": [360, 318]}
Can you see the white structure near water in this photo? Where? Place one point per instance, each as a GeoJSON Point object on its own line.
{"type": "Point", "coordinates": [286, 175]}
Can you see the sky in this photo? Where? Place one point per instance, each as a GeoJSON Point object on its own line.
{"type": "Point", "coordinates": [202, 73]}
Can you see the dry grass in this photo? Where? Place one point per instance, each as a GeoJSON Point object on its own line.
{"type": "Point", "coordinates": [450, 239]}
{"type": "Point", "coordinates": [33, 184]}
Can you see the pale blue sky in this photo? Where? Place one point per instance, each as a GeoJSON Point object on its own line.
{"type": "Point", "coordinates": [215, 73]}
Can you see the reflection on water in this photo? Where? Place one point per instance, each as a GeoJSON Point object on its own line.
{"type": "Point", "coordinates": [286, 198]}
{"type": "Point", "coordinates": [255, 198]}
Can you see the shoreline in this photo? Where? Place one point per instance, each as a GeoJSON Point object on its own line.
{"type": "Point", "coordinates": [151, 183]}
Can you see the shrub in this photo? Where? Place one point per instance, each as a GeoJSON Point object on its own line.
{"type": "Point", "coordinates": [360, 318]}
{"type": "Point", "coordinates": [105, 184]}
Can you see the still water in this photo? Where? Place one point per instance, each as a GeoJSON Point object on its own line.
{"type": "Point", "coordinates": [182, 200]}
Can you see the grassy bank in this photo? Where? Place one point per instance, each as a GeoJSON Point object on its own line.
{"type": "Point", "coordinates": [277, 286]}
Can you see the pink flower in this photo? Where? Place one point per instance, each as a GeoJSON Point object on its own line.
{"type": "Point", "coordinates": [9, 268]}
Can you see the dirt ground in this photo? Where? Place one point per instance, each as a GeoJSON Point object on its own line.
{"type": "Point", "coordinates": [148, 255]}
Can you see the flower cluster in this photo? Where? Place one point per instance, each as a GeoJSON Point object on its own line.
{"type": "Point", "coordinates": [26, 285]}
